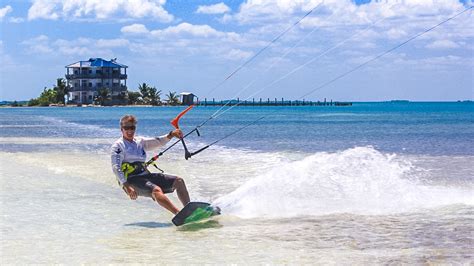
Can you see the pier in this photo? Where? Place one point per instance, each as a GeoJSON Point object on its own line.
{"type": "Point", "coordinates": [271, 102]}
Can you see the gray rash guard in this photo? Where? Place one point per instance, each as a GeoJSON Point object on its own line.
{"type": "Point", "coordinates": [124, 151]}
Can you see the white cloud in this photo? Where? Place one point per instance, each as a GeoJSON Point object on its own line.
{"type": "Point", "coordinates": [341, 12]}
{"type": "Point", "coordinates": [134, 29]}
{"type": "Point", "coordinates": [188, 29]}
{"type": "Point", "coordinates": [100, 10]}
{"type": "Point", "coordinates": [112, 43]}
{"type": "Point", "coordinates": [219, 8]}
{"type": "Point", "coordinates": [435, 63]}
{"type": "Point", "coordinates": [396, 33]}
{"type": "Point", "coordinates": [43, 9]}
{"type": "Point", "coordinates": [270, 10]}
{"type": "Point", "coordinates": [16, 20]}
{"type": "Point", "coordinates": [85, 47]}
{"type": "Point", "coordinates": [237, 54]}
{"type": "Point", "coordinates": [38, 45]}
{"type": "Point", "coordinates": [442, 44]}
{"type": "Point", "coordinates": [4, 11]}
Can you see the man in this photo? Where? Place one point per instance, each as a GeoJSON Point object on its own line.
{"type": "Point", "coordinates": [128, 157]}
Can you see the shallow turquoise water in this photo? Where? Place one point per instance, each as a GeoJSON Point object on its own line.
{"type": "Point", "coordinates": [368, 183]}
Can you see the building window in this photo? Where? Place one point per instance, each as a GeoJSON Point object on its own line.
{"type": "Point", "coordinates": [90, 84]}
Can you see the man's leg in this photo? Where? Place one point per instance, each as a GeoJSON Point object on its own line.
{"type": "Point", "coordinates": [181, 190]}
{"type": "Point", "coordinates": [161, 198]}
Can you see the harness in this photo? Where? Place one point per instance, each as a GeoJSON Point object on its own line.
{"type": "Point", "coordinates": [135, 168]}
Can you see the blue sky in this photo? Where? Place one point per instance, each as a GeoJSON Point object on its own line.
{"type": "Point", "coordinates": [193, 45]}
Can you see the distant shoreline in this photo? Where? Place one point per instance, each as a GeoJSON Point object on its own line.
{"type": "Point", "coordinates": [10, 104]}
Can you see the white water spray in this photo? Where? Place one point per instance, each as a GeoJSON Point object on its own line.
{"type": "Point", "coordinates": [359, 180]}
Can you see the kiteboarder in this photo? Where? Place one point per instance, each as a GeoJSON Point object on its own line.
{"type": "Point", "coordinates": [128, 155]}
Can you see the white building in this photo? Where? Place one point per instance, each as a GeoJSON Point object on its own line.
{"type": "Point", "coordinates": [86, 78]}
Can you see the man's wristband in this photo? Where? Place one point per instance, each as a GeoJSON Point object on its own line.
{"type": "Point", "coordinates": [170, 135]}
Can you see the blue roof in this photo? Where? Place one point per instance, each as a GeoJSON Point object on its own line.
{"type": "Point", "coordinates": [97, 62]}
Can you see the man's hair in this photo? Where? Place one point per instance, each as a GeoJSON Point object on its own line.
{"type": "Point", "coordinates": [128, 119]}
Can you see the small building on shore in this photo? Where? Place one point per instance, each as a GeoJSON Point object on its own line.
{"type": "Point", "coordinates": [87, 78]}
{"type": "Point", "coordinates": [187, 98]}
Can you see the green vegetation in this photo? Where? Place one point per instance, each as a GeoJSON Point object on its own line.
{"type": "Point", "coordinates": [173, 98]}
{"type": "Point", "coordinates": [146, 95]}
{"type": "Point", "coordinates": [53, 95]}
{"type": "Point", "coordinates": [133, 97]}
{"type": "Point", "coordinates": [149, 95]}
{"type": "Point", "coordinates": [47, 97]}
{"type": "Point", "coordinates": [103, 95]}
{"type": "Point", "coordinates": [13, 103]}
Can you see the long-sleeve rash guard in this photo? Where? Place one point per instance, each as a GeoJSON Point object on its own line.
{"type": "Point", "coordinates": [124, 151]}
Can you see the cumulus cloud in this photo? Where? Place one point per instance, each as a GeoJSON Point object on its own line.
{"type": "Point", "coordinates": [219, 8]}
{"type": "Point", "coordinates": [134, 29]}
{"type": "Point", "coordinates": [396, 33]}
{"type": "Point", "coordinates": [4, 11]}
{"type": "Point", "coordinates": [341, 12]}
{"type": "Point", "coordinates": [16, 20]}
{"type": "Point", "coordinates": [237, 54]}
{"type": "Point", "coordinates": [186, 39]}
{"type": "Point", "coordinates": [188, 29]}
{"type": "Point", "coordinates": [112, 43]}
{"type": "Point", "coordinates": [38, 45]}
{"type": "Point", "coordinates": [442, 44]}
{"type": "Point", "coordinates": [100, 10]}
{"type": "Point", "coordinates": [42, 44]}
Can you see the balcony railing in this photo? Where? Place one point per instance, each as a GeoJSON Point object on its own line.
{"type": "Point", "coordinates": [113, 88]}
{"type": "Point", "coordinates": [96, 76]}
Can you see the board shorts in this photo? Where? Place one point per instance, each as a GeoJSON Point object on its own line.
{"type": "Point", "coordinates": [145, 183]}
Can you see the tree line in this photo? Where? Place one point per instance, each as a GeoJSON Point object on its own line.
{"type": "Point", "coordinates": [53, 95]}
{"type": "Point", "coordinates": [146, 95]}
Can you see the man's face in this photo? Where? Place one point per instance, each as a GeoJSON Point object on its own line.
{"type": "Point", "coordinates": [128, 131]}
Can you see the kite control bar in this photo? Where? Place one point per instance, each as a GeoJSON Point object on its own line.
{"type": "Point", "coordinates": [187, 154]}
{"type": "Point", "coordinates": [175, 124]}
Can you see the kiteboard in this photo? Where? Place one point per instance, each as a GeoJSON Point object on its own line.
{"type": "Point", "coordinates": [195, 211]}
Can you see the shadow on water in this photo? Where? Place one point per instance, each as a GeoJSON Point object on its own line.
{"type": "Point", "coordinates": [192, 227]}
{"type": "Point", "coordinates": [150, 224]}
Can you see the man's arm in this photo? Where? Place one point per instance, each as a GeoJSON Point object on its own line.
{"type": "Point", "coordinates": [153, 143]}
{"type": "Point", "coordinates": [117, 156]}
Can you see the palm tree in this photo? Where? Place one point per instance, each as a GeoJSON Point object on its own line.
{"type": "Point", "coordinates": [144, 91]}
{"type": "Point", "coordinates": [154, 96]}
{"type": "Point", "coordinates": [103, 96]}
{"type": "Point", "coordinates": [173, 98]}
{"type": "Point", "coordinates": [133, 97]}
{"type": "Point", "coordinates": [61, 90]}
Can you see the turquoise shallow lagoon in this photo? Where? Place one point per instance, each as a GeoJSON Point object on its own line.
{"type": "Point", "coordinates": [368, 183]}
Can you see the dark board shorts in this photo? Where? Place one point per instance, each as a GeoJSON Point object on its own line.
{"type": "Point", "coordinates": [144, 184]}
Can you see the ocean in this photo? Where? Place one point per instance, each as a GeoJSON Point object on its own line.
{"type": "Point", "coordinates": [371, 183]}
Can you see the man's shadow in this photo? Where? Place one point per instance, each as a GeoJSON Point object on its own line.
{"type": "Point", "coordinates": [187, 227]}
{"type": "Point", "coordinates": [150, 224]}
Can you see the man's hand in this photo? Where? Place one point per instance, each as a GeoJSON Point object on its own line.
{"type": "Point", "coordinates": [177, 133]}
{"type": "Point", "coordinates": [130, 191]}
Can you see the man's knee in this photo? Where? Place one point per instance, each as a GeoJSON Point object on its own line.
{"type": "Point", "coordinates": [179, 182]}
{"type": "Point", "coordinates": [157, 191]}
